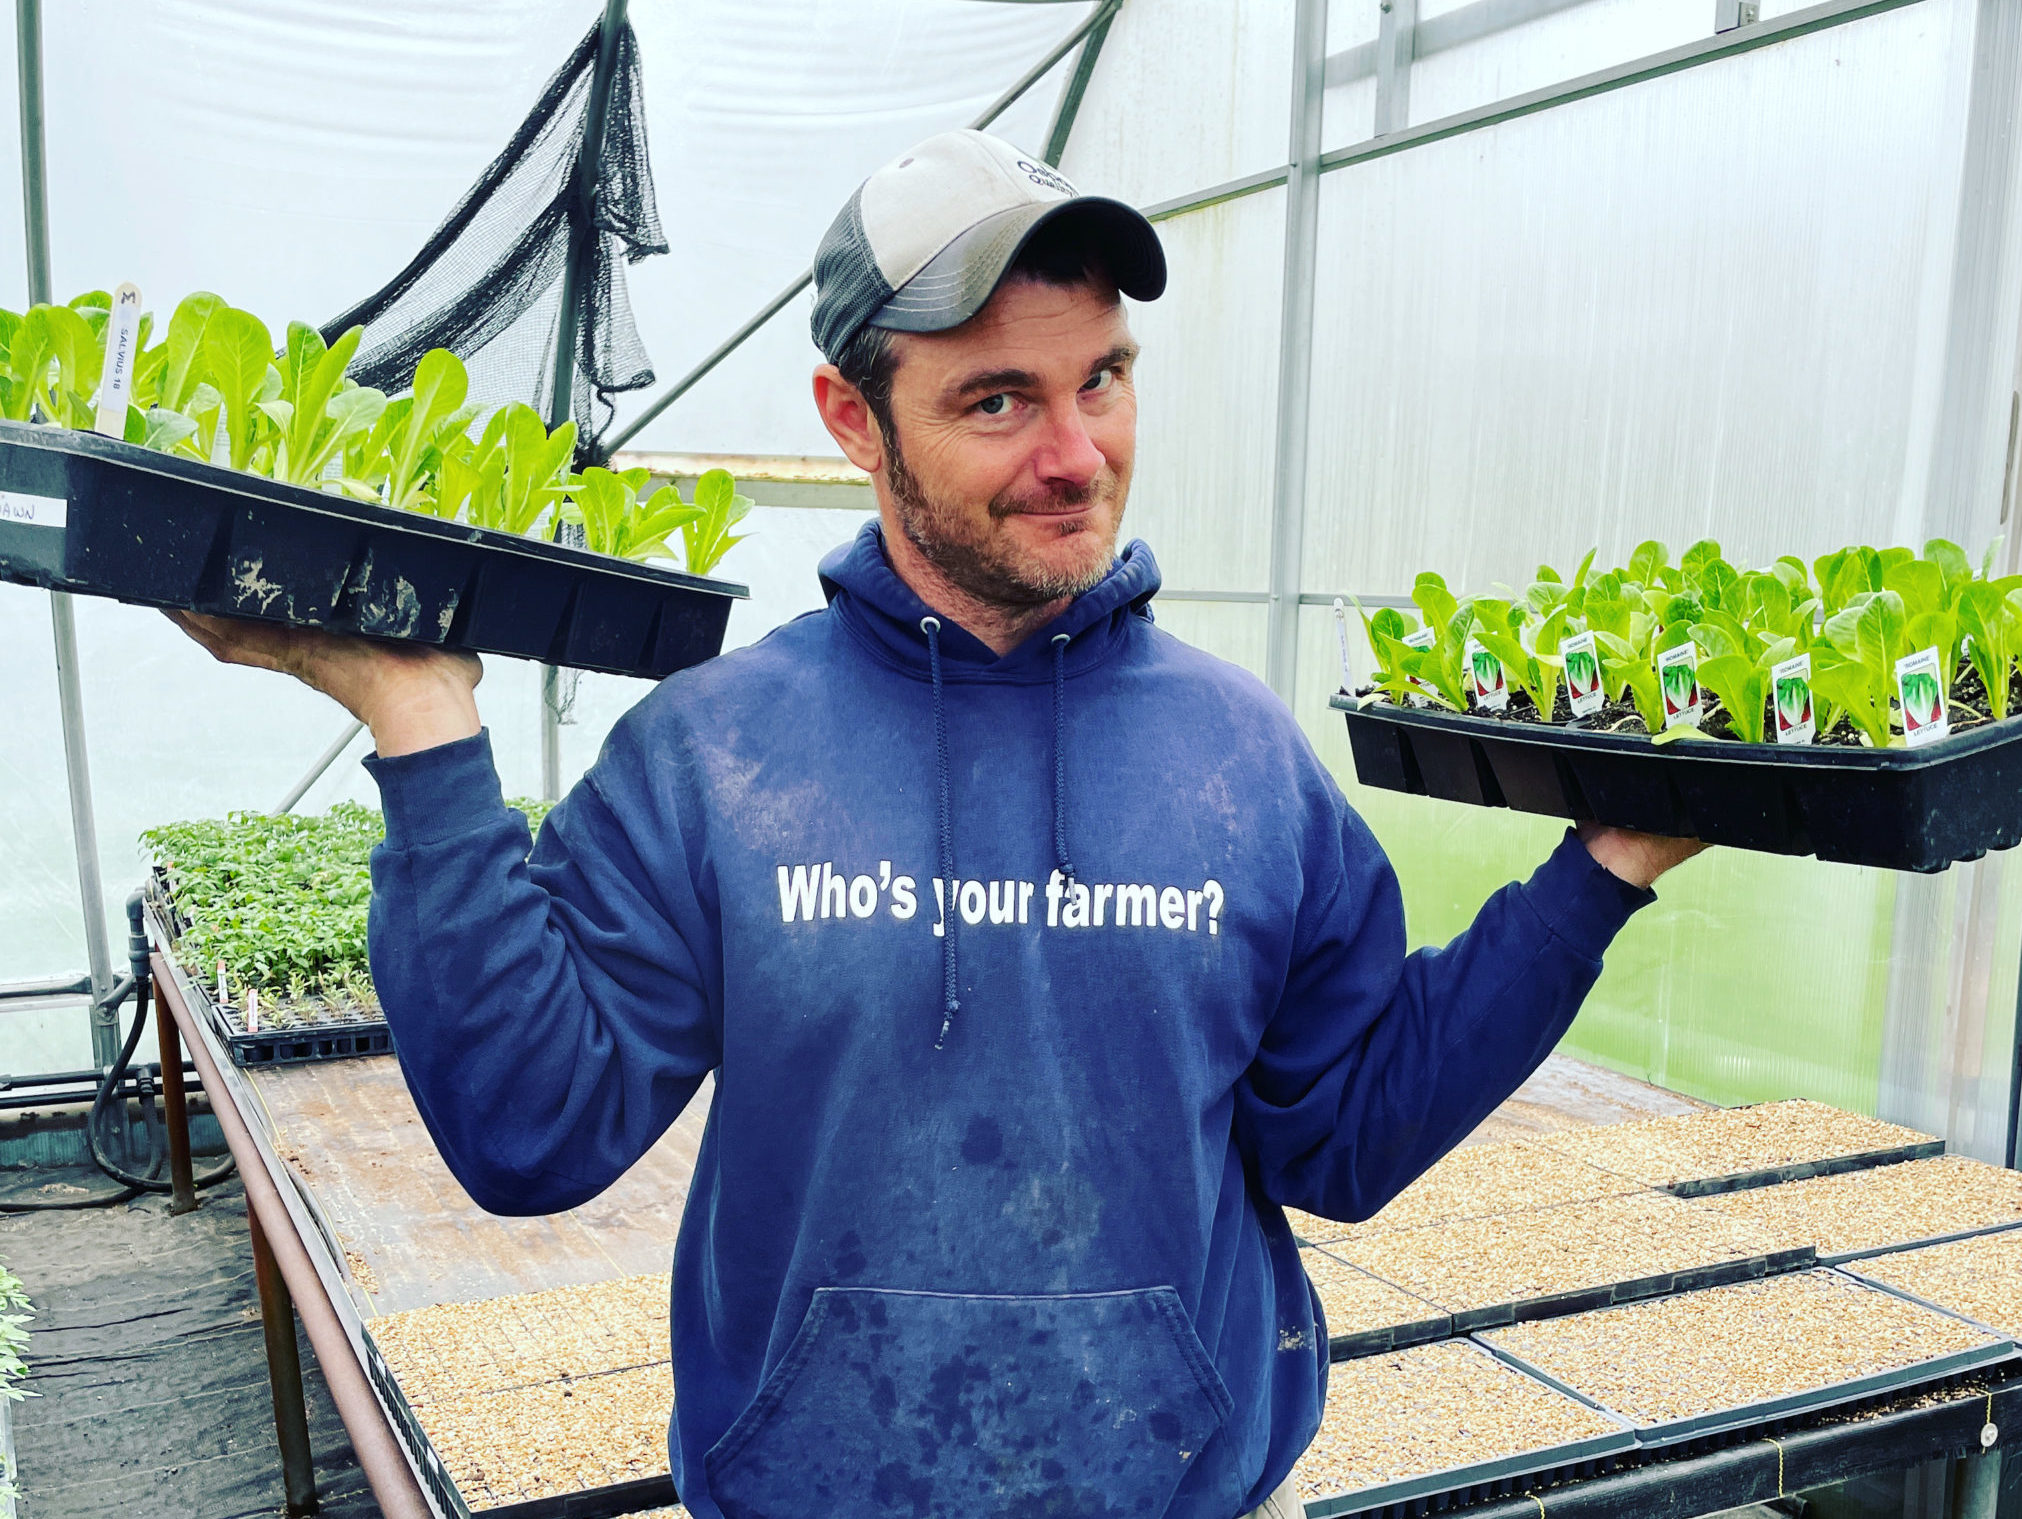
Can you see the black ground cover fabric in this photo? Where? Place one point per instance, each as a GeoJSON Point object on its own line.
{"type": "Point", "coordinates": [152, 1372]}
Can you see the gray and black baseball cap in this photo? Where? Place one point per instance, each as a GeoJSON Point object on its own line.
{"type": "Point", "coordinates": [924, 241]}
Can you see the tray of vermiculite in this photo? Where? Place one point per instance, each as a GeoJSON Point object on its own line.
{"type": "Point", "coordinates": [1713, 1362]}
{"type": "Point", "coordinates": [1445, 1420]}
{"type": "Point", "coordinates": [98, 517]}
{"type": "Point", "coordinates": [1904, 809]}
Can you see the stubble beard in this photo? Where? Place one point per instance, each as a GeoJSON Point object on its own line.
{"type": "Point", "coordinates": [982, 566]}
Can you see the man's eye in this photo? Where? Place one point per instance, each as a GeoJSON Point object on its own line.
{"type": "Point", "coordinates": [994, 406]}
{"type": "Point", "coordinates": [1100, 381]}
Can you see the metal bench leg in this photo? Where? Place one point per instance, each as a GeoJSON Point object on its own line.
{"type": "Point", "coordinates": [1978, 1485]}
{"type": "Point", "coordinates": [284, 1371]}
{"type": "Point", "coordinates": [176, 1113]}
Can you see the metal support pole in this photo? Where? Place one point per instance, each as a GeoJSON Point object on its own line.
{"type": "Point", "coordinates": [1069, 106]}
{"type": "Point", "coordinates": [1396, 45]}
{"type": "Point", "coordinates": [568, 324]}
{"type": "Point", "coordinates": [70, 695]}
{"type": "Point", "coordinates": [1976, 1486]}
{"type": "Point", "coordinates": [284, 1373]}
{"type": "Point", "coordinates": [1295, 346]}
{"type": "Point", "coordinates": [323, 762]}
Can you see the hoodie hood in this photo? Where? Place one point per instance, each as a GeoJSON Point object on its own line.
{"type": "Point", "coordinates": [866, 594]}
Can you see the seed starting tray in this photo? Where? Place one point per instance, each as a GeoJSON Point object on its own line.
{"type": "Point", "coordinates": [298, 1042]}
{"type": "Point", "coordinates": [593, 1503]}
{"type": "Point", "coordinates": [1368, 1342]}
{"type": "Point", "coordinates": [1794, 1405]}
{"type": "Point", "coordinates": [1848, 1257]}
{"type": "Point", "coordinates": [1459, 1486]}
{"type": "Point", "coordinates": [97, 517]}
{"type": "Point", "coordinates": [1902, 809]}
{"type": "Point", "coordinates": [1555, 1305]}
{"type": "Point", "coordinates": [1743, 1181]}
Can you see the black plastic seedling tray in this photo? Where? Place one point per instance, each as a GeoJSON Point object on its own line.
{"type": "Point", "coordinates": [337, 1037]}
{"type": "Point", "coordinates": [587, 1503]}
{"type": "Point", "coordinates": [1486, 1478]}
{"type": "Point", "coordinates": [1843, 1257]}
{"type": "Point", "coordinates": [1773, 1410]}
{"type": "Point", "coordinates": [1367, 1342]}
{"type": "Point", "coordinates": [98, 517]}
{"type": "Point", "coordinates": [1902, 809]}
{"type": "Point", "coordinates": [1864, 1160]}
{"type": "Point", "coordinates": [1588, 1299]}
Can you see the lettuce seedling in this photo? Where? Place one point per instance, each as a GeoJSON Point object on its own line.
{"type": "Point", "coordinates": [1441, 668]}
{"type": "Point", "coordinates": [435, 416]}
{"type": "Point", "coordinates": [236, 356]}
{"type": "Point", "coordinates": [615, 521]}
{"type": "Point", "coordinates": [1991, 618]}
{"type": "Point", "coordinates": [315, 411]}
{"type": "Point", "coordinates": [1742, 684]}
{"type": "Point", "coordinates": [1385, 630]}
{"type": "Point", "coordinates": [1857, 669]}
{"type": "Point", "coordinates": [707, 537]}
{"type": "Point", "coordinates": [1533, 666]}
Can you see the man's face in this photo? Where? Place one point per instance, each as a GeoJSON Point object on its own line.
{"type": "Point", "coordinates": [1015, 437]}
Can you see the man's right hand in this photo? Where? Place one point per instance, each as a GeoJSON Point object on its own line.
{"type": "Point", "coordinates": [411, 696]}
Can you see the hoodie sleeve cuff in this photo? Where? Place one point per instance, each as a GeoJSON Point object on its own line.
{"type": "Point", "coordinates": [437, 794]}
{"type": "Point", "coordinates": [1580, 900]}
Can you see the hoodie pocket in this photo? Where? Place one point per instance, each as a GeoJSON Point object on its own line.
{"type": "Point", "coordinates": [1090, 1405]}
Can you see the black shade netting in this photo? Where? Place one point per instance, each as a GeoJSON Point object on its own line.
{"type": "Point", "coordinates": [488, 284]}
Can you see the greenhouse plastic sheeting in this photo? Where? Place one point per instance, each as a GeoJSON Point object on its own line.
{"type": "Point", "coordinates": [1495, 394]}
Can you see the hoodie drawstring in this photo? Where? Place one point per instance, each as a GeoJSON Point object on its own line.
{"type": "Point", "coordinates": [950, 1003]}
{"type": "Point", "coordinates": [1060, 641]}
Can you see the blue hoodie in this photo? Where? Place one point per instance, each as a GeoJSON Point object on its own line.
{"type": "Point", "coordinates": [986, 1217]}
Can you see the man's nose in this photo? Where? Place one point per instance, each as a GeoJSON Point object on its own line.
{"type": "Point", "coordinates": [1068, 455]}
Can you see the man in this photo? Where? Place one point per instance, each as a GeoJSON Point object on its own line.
{"type": "Point", "coordinates": [1037, 958]}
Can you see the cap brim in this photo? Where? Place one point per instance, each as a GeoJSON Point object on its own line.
{"type": "Point", "coordinates": [958, 281]}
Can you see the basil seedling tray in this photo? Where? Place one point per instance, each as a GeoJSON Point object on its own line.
{"type": "Point", "coordinates": [97, 517]}
{"type": "Point", "coordinates": [1588, 1299]}
{"type": "Point", "coordinates": [1903, 809]}
{"type": "Point", "coordinates": [1804, 1170]}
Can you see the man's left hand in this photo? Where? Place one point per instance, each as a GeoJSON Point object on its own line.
{"type": "Point", "coordinates": [1638, 858]}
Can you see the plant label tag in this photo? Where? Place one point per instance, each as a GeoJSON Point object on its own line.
{"type": "Point", "coordinates": [1485, 681]}
{"type": "Point", "coordinates": [1920, 686]}
{"type": "Point", "coordinates": [1989, 1433]}
{"type": "Point", "coordinates": [1583, 675]}
{"type": "Point", "coordinates": [122, 341]}
{"type": "Point", "coordinates": [1678, 679]}
{"type": "Point", "coordinates": [252, 1012]}
{"type": "Point", "coordinates": [1790, 699]}
{"type": "Point", "coordinates": [24, 510]}
{"type": "Point", "coordinates": [1341, 638]}
{"type": "Point", "coordinates": [1420, 638]}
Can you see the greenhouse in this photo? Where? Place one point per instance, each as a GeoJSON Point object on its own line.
{"type": "Point", "coordinates": [907, 988]}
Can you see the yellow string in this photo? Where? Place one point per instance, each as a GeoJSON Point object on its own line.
{"type": "Point", "coordinates": [1779, 1462]}
{"type": "Point", "coordinates": [1540, 1503]}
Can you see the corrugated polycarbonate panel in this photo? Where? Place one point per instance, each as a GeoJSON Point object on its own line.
{"type": "Point", "coordinates": [1207, 397]}
{"type": "Point", "coordinates": [1559, 43]}
{"type": "Point", "coordinates": [1231, 630]}
{"type": "Point", "coordinates": [1188, 93]}
{"type": "Point", "coordinates": [1352, 29]}
{"type": "Point", "coordinates": [1706, 304]}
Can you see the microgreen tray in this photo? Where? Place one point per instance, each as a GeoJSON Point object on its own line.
{"type": "Point", "coordinates": [1350, 1347]}
{"type": "Point", "coordinates": [1903, 809]}
{"type": "Point", "coordinates": [1743, 1181]}
{"type": "Point", "coordinates": [1875, 1251]}
{"type": "Point", "coordinates": [1484, 1478]}
{"type": "Point", "coordinates": [98, 517]}
{"type": "Point", "coordinates": [1811, 1401]}
{"type": "Point", "coordinates": [1587, 1299]}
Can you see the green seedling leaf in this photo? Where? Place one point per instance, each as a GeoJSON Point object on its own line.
{"type": "Point", "coordinates": [1742, 686]}
{"type": "Point", "coordinates": [237, 352]}
{"type": "Point", "coordinates": [1992, 623]}
{"type": "Point", "coordinates": [182, 349]}
{"type": "Point", "coordinates": [1649, 557]}
{"type": "Point", "coordinates": [708, 538]}
{"type": "Point", "coordinates": [435, 414]}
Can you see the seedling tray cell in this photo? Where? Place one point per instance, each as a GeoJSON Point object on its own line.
{"type": "Point", "coordinates": [98, 517]}
{"type": "Point", "coordinates": [1661, 1350]}
{"type": "Point", "coordinates": [1902, 809]}
{"type": "Point", "coordinates": [1435, 1399]}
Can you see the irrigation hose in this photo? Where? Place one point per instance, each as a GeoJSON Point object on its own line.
{"type": "Point", "coordinates": [131, 1185]}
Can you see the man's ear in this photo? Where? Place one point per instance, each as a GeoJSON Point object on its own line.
{"type": "Point", "coordinates": [847, 416]}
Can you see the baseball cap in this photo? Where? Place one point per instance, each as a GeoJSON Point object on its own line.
{"type": "Point", "coordinates": [924, 241]}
